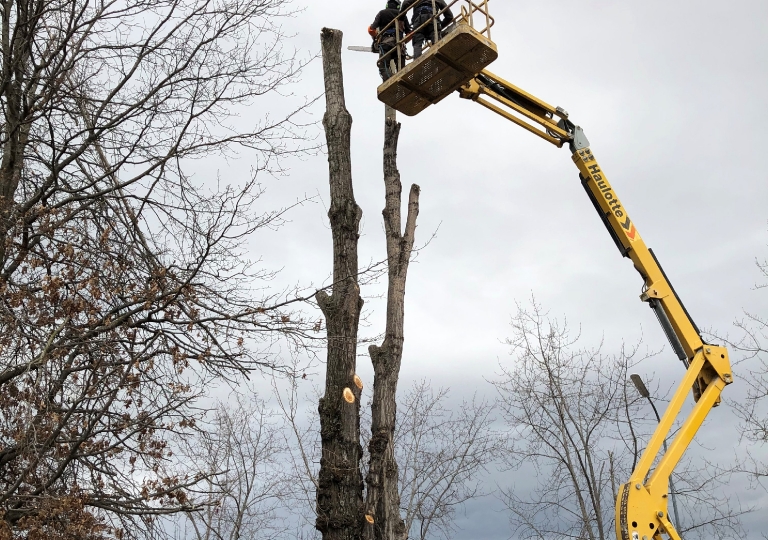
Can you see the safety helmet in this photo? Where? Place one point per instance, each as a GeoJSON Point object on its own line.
{"type": "Point", "coordinates": [393, 4]}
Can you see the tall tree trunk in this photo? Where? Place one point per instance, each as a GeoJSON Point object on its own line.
{"type": "Point", "coordinates": [382, 498]}
{"type": "Point", "coordinates": [340, 482]}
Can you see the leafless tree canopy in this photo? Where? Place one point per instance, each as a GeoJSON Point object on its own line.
{"type": "Point", "coordinates": [123, 279]}
{"type": "Point", "coordinates": [751, 342]}
{"type": "Point", "coordinates": [576, 426]}
{"type": "Point", "coordinates": [442, 454]}
{"type": "Point", "coordinates": [754, 345]}
{"type": "Point", "coordinates": [247, 492]}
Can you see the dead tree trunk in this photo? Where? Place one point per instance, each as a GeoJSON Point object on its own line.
{"type": "Point", "coordinates": [340, 482]}
{"type": "Point", "coordinates": [382, 497]}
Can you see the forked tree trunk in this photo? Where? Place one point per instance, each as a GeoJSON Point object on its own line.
{"type": "Point", "coordinates": [383, 521]}
{"type": "Point", "coordinates": [340, 482]}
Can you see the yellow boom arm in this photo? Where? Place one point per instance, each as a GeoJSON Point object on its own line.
{"type": "Point", "coordinates": [641, 506]}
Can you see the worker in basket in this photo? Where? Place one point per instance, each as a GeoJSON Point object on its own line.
{"type": "Point", "coordinates": [423, 12]}
{"type": "Point", "coordinates": [385, 37]}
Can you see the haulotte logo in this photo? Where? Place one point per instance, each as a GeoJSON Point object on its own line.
{"type": "Point", "coordinates": [613, 201]}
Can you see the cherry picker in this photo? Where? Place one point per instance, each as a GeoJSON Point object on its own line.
{"type": "Point", "coordinates": [457, 63]}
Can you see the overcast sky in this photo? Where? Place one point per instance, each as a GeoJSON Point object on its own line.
{"type": "Point", "coordinates": [672, 96]}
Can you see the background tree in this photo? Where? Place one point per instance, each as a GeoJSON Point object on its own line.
{"type": "Point", "coordinates": [751, 343]}
{"type": "Point", "coordinates": [575, 419]}
{"type": "Point", "coordinates": [123, 285]}
{"type": "Point", "coordinates": [302, 440]}
{"type": "Point", "coordinates": [247, 492]}
{"type": "Point", "coordinates": [442, 454]}
{"type": "Point", "coordinates": [754, 411]}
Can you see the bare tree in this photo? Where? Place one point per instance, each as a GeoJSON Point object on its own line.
{"type": "Point", "coordinates": [752, 343]}
{"type": "Point", "coordinates": [123, 283]}
{"type": "Point", "coordinates": [576, 428]}
{"type": "Point", "coordinates": [302, 440]}
{"type": "Point", "coordinates": [753, 410]}
{"type": "Point", "coordinates": [247, 492]}
{"type": "Point", "coordinates": [340, 482]}
{"type": "Point", "coordinates": [382, 504]}
{"type": "Point", "coordinates": [442, 455]}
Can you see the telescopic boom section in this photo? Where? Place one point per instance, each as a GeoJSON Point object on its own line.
{"type": "Point", "coordinates": [641, 507]}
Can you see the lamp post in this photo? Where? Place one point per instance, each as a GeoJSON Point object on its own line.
{"type": "Point", "coordinates": [641, 388]}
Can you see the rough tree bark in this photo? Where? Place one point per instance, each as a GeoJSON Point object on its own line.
{"type": "Point", "coordinates": [383, 521]}
{"type": "Point", "coordinates": [340, 482]}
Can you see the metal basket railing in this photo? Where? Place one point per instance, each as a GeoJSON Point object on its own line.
{"type": "Point", "coordinates": [467, 15]}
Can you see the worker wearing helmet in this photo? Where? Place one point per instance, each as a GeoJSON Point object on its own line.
{"type": "Point", "coordinates": [423, 12]}
{"type": "Point", "coordinates": [386, 36]}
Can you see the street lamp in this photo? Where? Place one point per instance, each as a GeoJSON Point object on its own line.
{"type": "Point", "coordinates": [641, 388]}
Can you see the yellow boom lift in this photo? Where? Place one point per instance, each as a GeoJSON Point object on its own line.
{"type": "Point", "coordinates": [457, 62]}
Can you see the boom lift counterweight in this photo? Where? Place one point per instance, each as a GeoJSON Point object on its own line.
{"type": "Point", "coordinates": [641, 505]}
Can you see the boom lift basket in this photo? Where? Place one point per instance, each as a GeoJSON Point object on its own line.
{"type": "Point", "coordinates": [448, 64]}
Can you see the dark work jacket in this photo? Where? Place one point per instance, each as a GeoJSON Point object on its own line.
{"type": "Point", "coordinates": [439, 4]}
{"type": "Point", "coordinates": [385, 16]}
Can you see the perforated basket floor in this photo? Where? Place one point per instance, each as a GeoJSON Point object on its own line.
{"type": "Point", "coordinates": [452, 62]}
